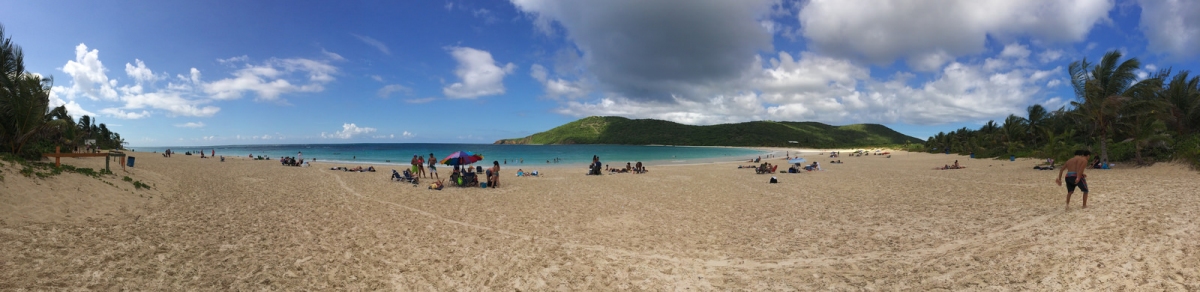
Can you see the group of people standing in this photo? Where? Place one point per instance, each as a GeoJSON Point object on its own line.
{"type": "Point", "coordinates": [418, 168]}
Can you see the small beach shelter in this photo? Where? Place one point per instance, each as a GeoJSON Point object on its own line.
{"type": "Point", "coordinates": [461, 158]}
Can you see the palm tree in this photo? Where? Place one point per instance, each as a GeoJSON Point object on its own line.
{"type": "Point", "coordinates": [25, 110]}
{"type": "Point", "coordinates": [1183, 96]}
{"type": "Point", "coordinates": [1101, 90]}
{"type": "Point", "coordinates": [1037, 117]}
{"type": "Point", "coordinates": [1012, 131]}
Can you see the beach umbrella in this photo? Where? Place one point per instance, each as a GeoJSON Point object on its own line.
{"type": "Point", "coordinates": [796, 160]}
{"type": "Point", "coordinates": [461, 158]}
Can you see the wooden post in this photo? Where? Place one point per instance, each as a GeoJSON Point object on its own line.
{"type": "Point", "coordinates": [56, 158]}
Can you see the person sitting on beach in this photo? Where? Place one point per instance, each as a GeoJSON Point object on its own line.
{"type": "Point", "coordinates": [520, 172]}
{"type": "Point", "coordinates": [639, 167]}
{"type": "Point", "coordinates": [956, 166]}
{"type": "Point", "coordinates": [494, 175]}
{"type": "Point", "coordinates": [456, 177]}
{"type": "Point", "coordinates": [371, 169]}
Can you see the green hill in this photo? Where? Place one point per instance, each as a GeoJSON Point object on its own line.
{"type": "Point", "coordinates": [618, 130]}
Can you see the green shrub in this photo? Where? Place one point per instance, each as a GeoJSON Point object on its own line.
{"type": "Point", "coordinates": [1123, 151]}
{"type": "Point", "coordinates": [128, 179]}
{"type": "Point", "coordinates": [86, 171]}
{"type": "Point", "coordinates": [1188, 150]}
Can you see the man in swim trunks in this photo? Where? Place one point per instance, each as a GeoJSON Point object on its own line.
{"type": "Point", "coordinates": [1074, 168]}
{"type": "Point", "coordinates": [433, 166]}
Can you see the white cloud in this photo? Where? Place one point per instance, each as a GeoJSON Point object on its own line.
{"type": "Point", "coordinates": [1048, 56]}
{"type": "Point", "coordinates": [140, 72]}
{"type": "Point", "coordinates": [1172, 26]}
{"type": "Point", "coordinates": [349, 130]}
{"type": "Point", "coordinates": [480, 75]}
{"type": "Point", "coordinates": [881, 31]}
{"type": "Point", "coordinates": [556, 87]}
{"type": "Point", "coordinates": [121, 114]}
{"type": "Point", "coordinates": [813, 87]}
{"type": "Point", "coordinates": [170, 101]}
{"type": "Point", "coordinates": [73, 108]}
{"type": "Point", "coordinates": [191, 125]}
{"type": "Point", "coordinates": [420, 100]}
{"type": "Point", "coordinates": [332, 55]}
{"type": "Point", "coordinates": [377, 78]}
{"type": "Point", "coordinates": [487, 15]}
{"type": "Point", "coordinates": [408, 135]}
{"type": "Point", "coordinates": [231, 61]}
{"type": "Point", "coordinates": [374, 43]}
{"type": "Point", "coordinates": [269, 80]}
{"type": "Point", "coordinates": [931, 61]}
{"type": "Point", "coordinates": [87, 76]}
{"type": "Point", "coordinates": [1015, 50]}
{"type": "Point", "coordinates": [387, 91]}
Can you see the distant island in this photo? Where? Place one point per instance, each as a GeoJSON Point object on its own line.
{"type": "Point", "coordinates": [624, 131]}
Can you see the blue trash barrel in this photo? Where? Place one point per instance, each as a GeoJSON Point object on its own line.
{"type": "Point", "coordinates": [1012, 158]}
{"type": "Point", "coordinates": [129, 161]}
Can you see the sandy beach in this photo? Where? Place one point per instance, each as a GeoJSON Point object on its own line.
{"type": "Point", "coordinates": [872, 223]}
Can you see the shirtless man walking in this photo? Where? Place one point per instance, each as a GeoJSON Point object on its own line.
{"type": "Point", "coordinates": [1075, 176]}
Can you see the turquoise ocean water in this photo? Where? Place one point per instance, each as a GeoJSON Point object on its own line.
{"type": "Point", "coordinates": [514, 154]}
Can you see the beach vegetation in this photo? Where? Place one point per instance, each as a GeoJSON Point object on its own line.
{"type": "Point", "coordinates": [624, 131]}
{"type": "Point", "coordinates": [1115, 113]}
{"type": "Point", "coordinates": [29, 127]}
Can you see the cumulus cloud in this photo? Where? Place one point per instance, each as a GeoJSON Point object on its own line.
{"type": "Point", "coordinates": [171, 101]}
{"type": "Point", "coordinates": [660, 50]}
{"type": "Point", "coordinates": [1172, 26]}
{"type": "Point", "coordinates": [387, 91]}
{"type": "Point", "coordinates": [556, 87]}
{"type": "Point", "coordinates": [269, 80]}
{"type": "Point", "coordinates": [87, 76]}
{"type": "Point", "coordinates": [122, 114]}
{"type": "Point", "coordinates": [349, 130]}
{"type": "Point", "coordinates": [140, 73]}
{"type": "Point", "coordinates": [186, 94]}
{"type": "Point", "coordinates": [374, 43]}
{"type": "Point", "coordinates": [882, 31]}
{"type": "Point", "coordinates": [1048, 56]}
{"type": "Point", "coordinates": [480, 75]}
{"type": "Point", "coordinates": [191, 125]}
{"type": "Point", "coordinates": [835, 90]}
{"type": "Point", "coordinates": [73, 108]}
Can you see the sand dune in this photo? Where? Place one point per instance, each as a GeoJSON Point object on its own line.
{"type": "Point", "coordinates": [873, 223]}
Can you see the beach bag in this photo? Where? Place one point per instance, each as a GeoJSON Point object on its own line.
{"type": "Point", "coordinates": [774, 180]}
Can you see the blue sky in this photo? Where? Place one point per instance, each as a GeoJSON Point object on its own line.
{"type": "Point", "coordinates": [275, 72]}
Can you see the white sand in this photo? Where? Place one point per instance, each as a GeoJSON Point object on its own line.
{"type": "Point", "coordinates": [872, 223]}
